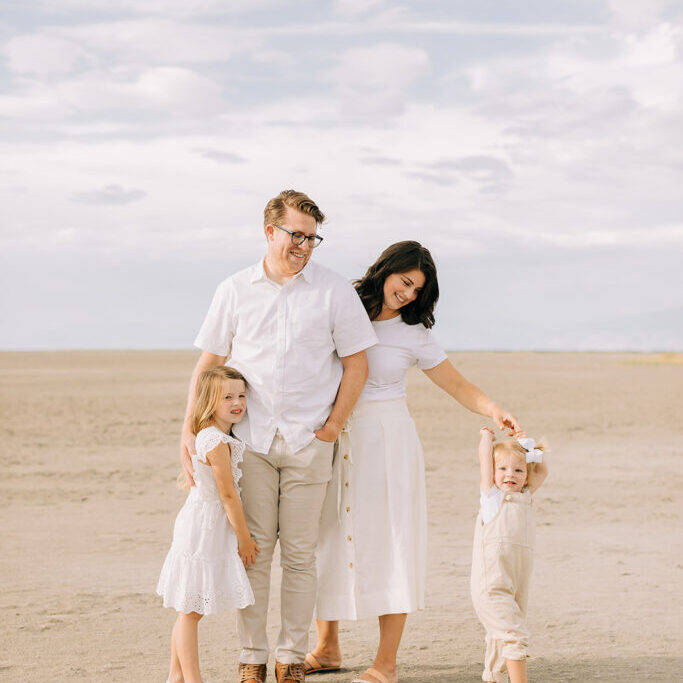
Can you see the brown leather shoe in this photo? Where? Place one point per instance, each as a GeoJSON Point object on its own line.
{"type": "Point", "coordinates": [252, 673]}
{"type": "Point", "coordinates": [290, 673]}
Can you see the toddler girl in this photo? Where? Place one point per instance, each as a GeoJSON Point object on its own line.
{"type": "Point", "coordinates": [204, 569]}
{"type": "Point", "coordinates": [503, 545]}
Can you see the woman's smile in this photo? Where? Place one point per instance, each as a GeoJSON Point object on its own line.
{"type": "Point", "coordinates": [401, 289]}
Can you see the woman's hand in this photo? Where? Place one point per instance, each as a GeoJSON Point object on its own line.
{"type": "Point", "coordinates": [505, 420]}
{"type": "Point", "coordinates": [247, 550]}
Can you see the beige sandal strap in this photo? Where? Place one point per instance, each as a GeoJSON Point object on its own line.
{"type": "Point", "coordinates": [312, 661]}
{"type": "Point", "coordinates": [375, 674]}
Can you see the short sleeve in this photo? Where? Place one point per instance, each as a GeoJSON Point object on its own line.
{"type": "Point", "coordinates": [352, 330]}
{"type": "Point", "coordinates": [218, 328]}
{"type": "Point", "coordinates": [236, 457]}
{"type": "Point", "coordinates": [207, 440]}
{"type": "Point", "coordinates": [490, 503]}
{"type": "Point", "coordinates": [429, 352]}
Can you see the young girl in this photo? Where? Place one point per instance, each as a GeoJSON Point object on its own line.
{"type": "Point", "coordinates": [204, 569]}
{"type": "Point", "coordinates": [503, 545]}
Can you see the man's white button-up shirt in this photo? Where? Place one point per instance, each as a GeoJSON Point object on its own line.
{"type": "Point", "coordinates": [287, 341]}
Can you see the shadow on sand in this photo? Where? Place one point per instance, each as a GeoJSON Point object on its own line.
{"type": "Point", "coordinates": [542, 670]}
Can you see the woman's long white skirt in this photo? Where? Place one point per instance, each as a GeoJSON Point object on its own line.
{"type": "Point", "coordinates": [372, 554]}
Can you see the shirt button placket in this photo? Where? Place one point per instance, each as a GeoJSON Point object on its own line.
{"type": "Point", "coordinates": [348, 519]}
{"type": "Point", "coordinates": [281, 350]}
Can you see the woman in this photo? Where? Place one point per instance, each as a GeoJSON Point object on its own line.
{"type": "Point", "coordinates": [372, 556]}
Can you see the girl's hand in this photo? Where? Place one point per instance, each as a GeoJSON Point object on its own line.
{"type": "Point", "coordinates": [505, 420]}
{"type": "Point", "coordinates": [247, 551]}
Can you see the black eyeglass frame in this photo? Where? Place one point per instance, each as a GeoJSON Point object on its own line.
{"type": "Point", "coordinates": [313, 240]}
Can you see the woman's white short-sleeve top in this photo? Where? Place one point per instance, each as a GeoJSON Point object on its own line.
{"type": "Point", "coordinates": [400, 347]}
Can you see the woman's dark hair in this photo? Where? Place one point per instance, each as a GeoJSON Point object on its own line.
{"type": "Point", "coordinates": [399, 258]}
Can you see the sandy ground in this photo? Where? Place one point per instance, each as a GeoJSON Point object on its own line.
{"type": "Point", "coordinates": [89, 442]}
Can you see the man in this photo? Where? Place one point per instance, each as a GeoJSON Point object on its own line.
{"type": "Point", "coordinates": [298, 333]}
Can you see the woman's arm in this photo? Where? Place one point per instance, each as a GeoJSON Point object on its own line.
{"type": "Point", "coordinates": [219, 459]}
{"type": "Point", "coordinates": [445, 376]}
{"type": "Point", "coordinates": [486, 458]}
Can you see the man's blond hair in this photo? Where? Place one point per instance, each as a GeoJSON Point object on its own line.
{"type": "Point", "coordinates": [276, 208]}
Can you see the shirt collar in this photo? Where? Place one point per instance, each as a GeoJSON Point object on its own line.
{"type": "Point", "coordinates": [258, 273]}
{"type": "Point", "coordinates": [307, 272]}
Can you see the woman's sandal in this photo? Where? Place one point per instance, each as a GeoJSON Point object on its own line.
{"type": "Point", "coordinates": [313, 666]}
{"type": "Point", "coordinates": [378, 675]}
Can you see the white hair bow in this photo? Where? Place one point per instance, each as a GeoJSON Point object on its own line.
{"type": "Point", "coordinates": [533, 454]}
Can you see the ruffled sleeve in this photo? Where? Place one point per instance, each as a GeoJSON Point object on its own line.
{"type": "Point", "coordinates": [236, 457]}
{"type": "Point", "coordinates": [210, 437]}
{"type": "Point", "coordinates": [207, 440]}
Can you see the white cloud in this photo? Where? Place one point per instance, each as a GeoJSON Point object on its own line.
{"type": "Point", "coordinates": [664, 236]}
{"type": "Point", "coordinates": [653, 48]}
{"type": "Point", "coordinates": [373, 81]}
{"type": "Point", "coordinates": [44, 55]}
{"type": "Point", "coordinates": [636, 15]}
{"type": "Point", "coordinates": [110, 93]}
{"type": "Point", "coordinates": [354, 8]}
{"type": "Point", "coordinates": [222, 156]}
{"type": "Point", "coordinates": [647, 66]}
{"type": "Point", "coordinates": [183, 8]}
{"type": "Point", "coordinates": [160, 41]}
{"type": "Point", "coordinates": [111, 194]}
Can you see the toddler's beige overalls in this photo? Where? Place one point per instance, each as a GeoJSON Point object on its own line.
{"type": "Point", "coordinates": [502, 559]}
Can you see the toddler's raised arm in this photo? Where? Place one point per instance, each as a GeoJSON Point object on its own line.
{"type": "Point", "coordinates": [537, 476]}
{"type": "Point", "coordinates": [486, 458]}
{"type": "Point", "coordinates": [538, 473]}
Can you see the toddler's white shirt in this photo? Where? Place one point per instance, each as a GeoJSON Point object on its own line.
{"type": "Point", "coordinates": [490, 503]}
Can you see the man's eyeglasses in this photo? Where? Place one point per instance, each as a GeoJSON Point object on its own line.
{"type": "Point", "coordinates": [298, 238]}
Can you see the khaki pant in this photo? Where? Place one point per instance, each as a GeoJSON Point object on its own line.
{"type": "Point", "coordinates": [282, 494]}
{"type": "Point", "coordinates": [501, 567]}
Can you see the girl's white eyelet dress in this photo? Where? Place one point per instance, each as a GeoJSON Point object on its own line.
{"type": "Point", "coordinates": [202, 572]}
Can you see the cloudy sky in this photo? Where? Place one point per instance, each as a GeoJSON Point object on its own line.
{"type": "Point", "coordinates": [535, 147]}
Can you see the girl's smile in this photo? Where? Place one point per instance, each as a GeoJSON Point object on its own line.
{"type": "Point", "coordinates": [231, 405]}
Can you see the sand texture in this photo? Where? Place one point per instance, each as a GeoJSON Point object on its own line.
{"type": "Point", "coordinates": [89, 445]}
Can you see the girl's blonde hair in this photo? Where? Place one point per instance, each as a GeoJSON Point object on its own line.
{"type": "Point", "coordinates": [209, 392]}
{"type": "Point", "coordinates": [513, 447]}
